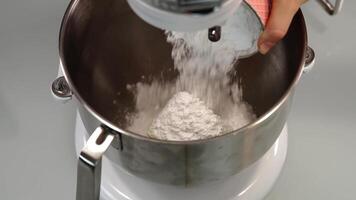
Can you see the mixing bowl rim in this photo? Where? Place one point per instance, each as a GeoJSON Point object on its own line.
{"type": "Point", "coordinates": [104, 121]}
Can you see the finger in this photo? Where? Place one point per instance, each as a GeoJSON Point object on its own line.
{"type": "Point", "coordinates": [278, 23]}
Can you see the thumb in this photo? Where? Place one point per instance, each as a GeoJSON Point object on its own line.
{"type": "Point", "coordinates": [278, 23]}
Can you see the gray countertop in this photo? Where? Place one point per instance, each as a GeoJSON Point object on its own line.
{"type": "Point", "coordinates": [36, 133]}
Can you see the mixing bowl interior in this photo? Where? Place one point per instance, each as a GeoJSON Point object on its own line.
{"type": "Point", "coordinates": [105, 46]}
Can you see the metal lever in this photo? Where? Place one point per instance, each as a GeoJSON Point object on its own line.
{"type": "Point", "coordinates": [89, 164]}
{"type": "Point", "coordinates": [330, 8]}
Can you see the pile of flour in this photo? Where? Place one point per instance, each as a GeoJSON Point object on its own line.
{"type": "Point", "coordinates": [203, 101]}
{"type": "Point", "coordinates": [185, 118]}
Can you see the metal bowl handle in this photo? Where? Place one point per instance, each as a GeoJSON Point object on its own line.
{"type": "Point", "coordinates": [89, 164]}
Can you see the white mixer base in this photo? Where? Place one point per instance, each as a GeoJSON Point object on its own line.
{"type": "Point", "coordinates": [253, 183]}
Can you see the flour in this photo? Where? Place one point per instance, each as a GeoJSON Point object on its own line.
{"type": "Point", "coordinates": [203, 101]}
{"type": "Point", "coordinates": [185, 118]}
{"type": "Point", "coordinates": [149, 102]}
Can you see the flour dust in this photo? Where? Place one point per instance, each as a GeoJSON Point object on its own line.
{"type": "Point", "coordinates": [203, 101]}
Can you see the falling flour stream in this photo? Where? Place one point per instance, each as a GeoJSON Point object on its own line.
{"type": "Point", "coordinates": [202, 102]}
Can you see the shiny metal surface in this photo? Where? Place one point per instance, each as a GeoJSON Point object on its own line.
{"type": "Point", "coordinates": [60, 88]}
{"type": "Point", "coordinates": [252, 183]}
{"type": "Point", "coordinates": [104, 46]}
{"type": "Point", "coordinates": [89, 164]}
{"type": "Point", "coordinates": [309, 60]}
{"type": "Point", "coordinates": [330, 8]}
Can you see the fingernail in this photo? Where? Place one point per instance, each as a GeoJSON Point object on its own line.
{"type": "Point", "coordinates": [265, 47]}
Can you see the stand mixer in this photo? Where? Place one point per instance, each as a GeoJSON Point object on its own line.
{"type": "Point", "coordinates": [240, 165]}
{"type": "Point", "coordinates": [253, 183]}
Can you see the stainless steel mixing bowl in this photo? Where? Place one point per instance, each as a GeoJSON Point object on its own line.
{"type": "Point", "coordinates": [104, 46]}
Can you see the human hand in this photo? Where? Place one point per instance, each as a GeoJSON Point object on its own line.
{"type": "Point", "coordinates": [278, 23]}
